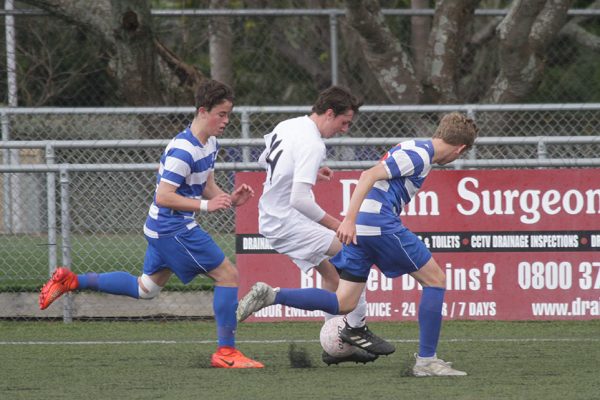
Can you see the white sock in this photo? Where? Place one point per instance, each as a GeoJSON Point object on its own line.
{"type": "Point", "coordinates": [426, 359]}
{"type": "Point", "coordinates": [357, 317]}
{"type": "Point", "coordinates": [328, 316]}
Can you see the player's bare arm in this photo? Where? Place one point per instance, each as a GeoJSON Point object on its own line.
{"type": "Point", "coordinates": [218, 198]}
{"type": "Point", "coordinates": [347, 229]}
{"type": "Point", "coordinates": [237, 198]}
{"type": "Point", "coordinates": [166, 196]}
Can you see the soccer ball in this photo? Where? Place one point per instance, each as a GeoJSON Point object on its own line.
{"type": "Point", "coordinates": [330, 338]}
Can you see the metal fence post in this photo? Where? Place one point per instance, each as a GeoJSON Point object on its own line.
{"type": "Point", "coordinates": [542, 150]}
{"type": "Point", "coordinates": [66, 239]}
{"type": "Point", "coordinates": [11, 59]}
{"type": "Point", "coordinates": [245, 120]}
{"type": "Point", "coordinates": [473, 151]}
{"type": "Point", "coordinates": [334, 48]}
{"type": "Point", "coordinates": [51, 205]}
{"type": "Point", "coordinates": [6, 187]}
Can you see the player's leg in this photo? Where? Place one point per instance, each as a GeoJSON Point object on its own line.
{"type": "Point", "coordinates": [355, 320]}
{"type": "Point", "coordinates": [329, 275]}
{"type": "Point", "coordinates": [433, 280]}
{"type": "Point", "coordinates": [262, 295]}
{"type": "Point", "coordinates": [225, 301]}
{"type": "Point", "coordinates": [146, 286]}
{"type": "Point", "coordinates": [224, 306]}
{"type": "Point", "coordinates": [357, 332]}
{"type": "Point", "coordinates": [194, 252]}
{"type": "Point", "coordinates": [306, 243]}
{"type": "Point", "coordinates": [348, 294]}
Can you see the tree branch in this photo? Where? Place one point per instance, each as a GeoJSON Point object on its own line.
{"type": "Point", "coordinates": [446, 42]}
{"type": "Point", "coordinates": [389, 62]}
{"type": "Point", "coordinates": [524, 38]}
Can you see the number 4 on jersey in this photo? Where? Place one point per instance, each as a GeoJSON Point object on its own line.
{"type": "Point", "coordinates": [273, 158]}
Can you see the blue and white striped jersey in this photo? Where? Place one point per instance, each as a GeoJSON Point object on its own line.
{"type": "Point", "coordinates": [186, 164]}
{"type": "Point", "coordinates": [408, 163]}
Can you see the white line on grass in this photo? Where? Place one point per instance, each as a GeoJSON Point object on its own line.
{"type": "Point", "coordinates": [122, 342]}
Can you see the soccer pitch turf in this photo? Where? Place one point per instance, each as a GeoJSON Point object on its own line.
{"type": "Point", "coordinates": [170, 360]}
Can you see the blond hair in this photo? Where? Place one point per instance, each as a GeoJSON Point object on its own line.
{"type": "Point", "coordinates": [456, 129]}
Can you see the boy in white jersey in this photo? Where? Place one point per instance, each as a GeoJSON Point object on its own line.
{"type": "Point", "coordinates": [372, 233]}
{"type": "Point", "coordinates": [290, 218]}
{"type": "Point", "coordinates": [176, 244]}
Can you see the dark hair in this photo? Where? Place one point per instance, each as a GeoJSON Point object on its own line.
{"type": "Point", "coordinates": [456, 129]}
{"type": "Point", "coordinates": [211, 93]}
{"type": "Point", "coordinates": [339, 99]}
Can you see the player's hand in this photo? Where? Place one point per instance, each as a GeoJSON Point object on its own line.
{"type": "Point", "coordinates": [219, 202]}
{"type": "Point", "coordinates": [241, 195]}
{"type": "Point", "coordinates": [324, 174]}
{"type": "Point", "coordinates": [347, 232]}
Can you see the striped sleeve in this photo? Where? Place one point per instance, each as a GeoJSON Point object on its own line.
{"type": "Point", "coordinates": [406, 162]}
{"type": "Point", "coordinates": [177, 166]}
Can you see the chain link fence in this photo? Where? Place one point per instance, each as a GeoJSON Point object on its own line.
{"type": "Point", "coordinates": [280, 56]}
{"type": "Point", "coordinates": [82, 201]}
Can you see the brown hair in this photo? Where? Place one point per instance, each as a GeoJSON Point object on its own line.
{"type": "Point", "coordinates": [338, 98]}
{"type": "Point", "coordinates": [456, 129]}
{"type": "Point", "coordinates": [211, 93]}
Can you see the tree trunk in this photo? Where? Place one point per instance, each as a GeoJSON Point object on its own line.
{"type": "Point", "coordinates": [220, 44]}
{"type": "Point", "coordinates": [383, 52]}
{"type": "Point", "coordinates": [524, 35]}
{"type": "Point", "coordinates": [136, 64]}
{"type": "Point", "coordinates": [444, 53]}
{"type": "Point", "coordinates": [419, 34]}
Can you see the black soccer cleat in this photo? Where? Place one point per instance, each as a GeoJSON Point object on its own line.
{"type": "Point", "coordinates": [358, 356]}
{"type": "Point", "coordinates": [365, 339]}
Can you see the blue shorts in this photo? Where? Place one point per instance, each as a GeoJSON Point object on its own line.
{"type": "Point", "coordinates": [187, 254]}
{"type": "Point", "coordinates": [395, 254]}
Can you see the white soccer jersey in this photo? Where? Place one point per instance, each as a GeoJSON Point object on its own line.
{"type": "Point", "coordinates": [294, 153]}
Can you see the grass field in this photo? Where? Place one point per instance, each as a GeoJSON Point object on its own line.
{"type": "Point", "coordinates": [170, 360]}
{"type": "Point", "coordinates": [24, 258]}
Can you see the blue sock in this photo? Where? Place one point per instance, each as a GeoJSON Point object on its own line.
{"type": "Point", "coordinates": [88, 281]}
{"type": "Point", "coordinates": [225, 304]}
{"type": "Point", "coordinates": [309, 299]}
{"type": "Point", "coordinates": [122, 283]}
{"type": "Point", "coordinates": [430, 320]}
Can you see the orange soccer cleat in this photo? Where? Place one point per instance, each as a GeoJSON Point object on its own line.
{"type": "Point", "coordinates": [62, 281]}
{"type": "Point", "coordinates": [230, 357]}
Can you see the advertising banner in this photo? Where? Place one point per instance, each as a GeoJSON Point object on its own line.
{"type": "Point", "coordinates": [514, 244]}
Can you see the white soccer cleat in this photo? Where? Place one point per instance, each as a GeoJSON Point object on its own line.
{"type": "Point", "coordinates": [260, 296]}
{"type": "Point", "coordinates": [433, 366]}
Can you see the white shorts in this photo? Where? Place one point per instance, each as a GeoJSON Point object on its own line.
{"type": "Point", "coordinates": [304, 241]}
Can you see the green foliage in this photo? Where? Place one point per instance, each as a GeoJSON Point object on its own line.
{"type": "Point", "coordinates": [567, 81]}
{"type": "Point", "coordinates": [59, 64]}
{"type": "Point", "coordinates": [62, 65]}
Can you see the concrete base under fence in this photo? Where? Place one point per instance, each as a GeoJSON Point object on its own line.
{"type": "Point", "coordinates": [97, 305]}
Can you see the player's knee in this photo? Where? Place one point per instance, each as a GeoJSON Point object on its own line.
{"type": "Point", "coordinates": [225, 274]}
{"type": "Point", "coordinates": [438, 280]}
{"type": "Point", "coordinates": [147, 289]}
